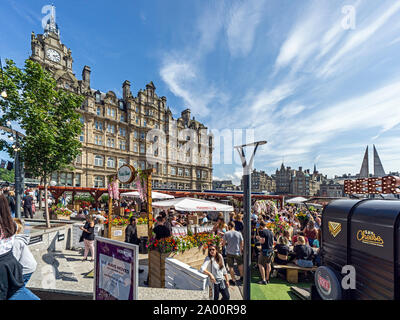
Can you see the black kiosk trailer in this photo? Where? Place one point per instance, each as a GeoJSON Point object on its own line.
{"type": "Point", "coordinates": [364, 234]}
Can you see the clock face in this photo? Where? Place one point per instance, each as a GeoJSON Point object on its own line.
{"type": "Point", "coordinates": [53, 55]}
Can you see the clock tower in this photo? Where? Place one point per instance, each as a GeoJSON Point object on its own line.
{"type": "Point", "coordinates": [54, 56]}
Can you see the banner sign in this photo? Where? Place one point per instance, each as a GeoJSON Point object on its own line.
{"type": "Point", "coordinates": [116, 270]}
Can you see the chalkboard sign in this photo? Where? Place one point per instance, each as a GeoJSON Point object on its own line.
{"type": "Point", "coordinates": [36, 239]}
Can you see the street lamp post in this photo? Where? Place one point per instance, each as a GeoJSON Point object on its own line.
{"type": "Point", "coordinates": [247, 166]}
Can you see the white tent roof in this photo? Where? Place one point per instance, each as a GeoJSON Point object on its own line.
{"type": "Point", "coordinates": [192, 204]}
{"type": "Point", "coordinates": [154, 195]}
{"type": "Point", "coordinates": [296, 200]}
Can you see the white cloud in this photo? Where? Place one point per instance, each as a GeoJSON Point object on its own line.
{"type": "Point", "coordinates": [243, 19]}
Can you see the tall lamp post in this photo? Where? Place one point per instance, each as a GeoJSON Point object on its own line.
{"type": "Point", "coordinates": [247, 166]}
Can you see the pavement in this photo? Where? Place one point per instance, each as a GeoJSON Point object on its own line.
{"type": "Point", "coordinates": [62, 275]}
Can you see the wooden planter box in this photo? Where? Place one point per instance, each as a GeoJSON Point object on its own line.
{"type": "Point", "coordinates": [142, 230]}
{"type": "Point", "coordinates": [59, 217]}
{"type": "Point", "coordinates": [193, 257]}
{"type": "Point", "coordinates": [117, 232]}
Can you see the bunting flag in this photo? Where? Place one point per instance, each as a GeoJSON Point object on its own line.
{"type": "Point", "coordinates": [3, 164]}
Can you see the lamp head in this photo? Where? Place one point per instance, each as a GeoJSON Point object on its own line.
{"type": "Point", "coordinates": [4, 94]}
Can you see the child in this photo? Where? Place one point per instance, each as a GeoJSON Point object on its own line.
{"type": "Point", "coordinates": [24, 256]}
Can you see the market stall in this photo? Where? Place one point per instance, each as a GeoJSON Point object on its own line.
{"type": "Point", "coordinates": [189, 247]}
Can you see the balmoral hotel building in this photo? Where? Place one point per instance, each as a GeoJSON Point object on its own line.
{"type": "Point", "coordinates": [138, 130]}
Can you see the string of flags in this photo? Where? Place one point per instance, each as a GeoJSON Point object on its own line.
{"type": "Point", "coordinates": [6, 164]}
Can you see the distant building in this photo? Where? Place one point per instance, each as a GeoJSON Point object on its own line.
{"type": "Point", "coordinates": [299, 182]}
{"type": "Point", "coordinates": [223, 185]}
{"type": "Point", "coordinates": [331, 188]}
{"type": "Point", "coordinates": [261, 182]}
{"type": "Point", "coordinates": [283, 178]}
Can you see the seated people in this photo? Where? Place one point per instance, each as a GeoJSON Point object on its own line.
{"type": "Point", "coordinates": [304, 253]}
{"type": "Point", "coordinates": [310, 232]}
{"type": "Point", "coordinates": [281, 251]}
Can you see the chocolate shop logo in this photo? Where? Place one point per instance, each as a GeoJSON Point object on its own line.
{"type": "Point", "coordinates": [369, 237]}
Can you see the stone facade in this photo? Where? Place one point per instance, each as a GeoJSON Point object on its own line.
{"type": "Point", "coordinates": [261, 182]}
{"type": "Point", "coordinates": [298, 182]}
{"type": "Point", "coordinates": [331, 188]}
{"type": "Point", "coordinates": [137, 130]}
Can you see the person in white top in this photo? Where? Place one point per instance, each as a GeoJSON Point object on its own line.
{"type": "Point", "coordinates": [10, 269]}
{"type": "Point", "coordinates": [214, 267]}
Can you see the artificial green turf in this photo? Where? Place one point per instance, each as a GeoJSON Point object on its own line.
{"type": "Point", "coordinates": [277, 289]}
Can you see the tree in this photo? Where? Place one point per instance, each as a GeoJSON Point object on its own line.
{"type": "Point", "coordinates": [47, 115]}
{"type": "Point", "coordinates": [7, 175]}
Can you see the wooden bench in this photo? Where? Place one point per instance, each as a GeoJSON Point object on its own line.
{"type": "Point", "coordinates": [292, 271]}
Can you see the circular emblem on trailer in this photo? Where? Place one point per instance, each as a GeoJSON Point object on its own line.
{"type": "Point", "coordinates": [328, 284]}
{"type": "Point", "coordinates": [126, 173]}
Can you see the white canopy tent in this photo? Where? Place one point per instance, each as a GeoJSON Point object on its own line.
{"type": "Point", "coordinates": [154, 195]}
{"type": "Point", "coordinates": [296, 200]}
{"type": "Point", "coordinates": [192, 205]}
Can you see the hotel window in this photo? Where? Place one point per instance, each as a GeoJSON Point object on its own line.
{"type": "Point", "coordinates": [142, 135]}
{"type": "Point", "coordinates": [137, 109]}
{"type": "Point", "coordinates": [122, 132]}
{"type": "Point", "coordinates": [142, 148]}
{"type": "Point", "coordinates": [180, 172]}
{"type": "Point", "coordinates": [121, 105]}
{"type": "Point", "coordinates": [142, 165]}
{"type": "Point", "coordinates": [110, 162]}
{"type": "Point", "coordinates": [198, 174]}
{"type": "Point", "coordinates": [78, 159]}
{"type": "Point", "coordinates": [135, 164]}
{"type": "Point", "coordinates": [156, 153]}
{"type": "Point", "coordinates": [122, 144]}
{"type": "Point", "coordinates": [113, 113]}
{"type": "Point", "coordinates": [98, 182]}
{"type": "Point", "coordinates": [187, 173]}
{"type": "Point", "coordinates": [144, 123]}
{"type": "Point", "coordinates": [77, 179]}
{"type": "Point", "coordinates": [204, 174]}
{"type": "Point", "coordinates": [135, 147]}
{"type": "Point", "coordinates": [98, 97]}
{"type": "Point", "coordinates": [121, 162]}
{"type": "Point", "coordinates": [98, 140]}
{"type": "Point", "coordinates": [135, 134]}
{"type": "Point", "coordinates": [69, 179]}
{"type": "Point", "coordinates": [63, 176]}
{"type": "Point", "coordinates": [111, 128]}
{"type": "Point", "coordinates": [110, 143]}
{"type": "Point", "coordinates": [98, 111]}
{"type": "Point", "coordinates": [98, 125]}
{"type": "Point", "coordinates": [82, 120]}
{"type": "Point", "coordinates": [165, 169]}
{"type": "Point", "coordinates": [137, 120]}
{"type": "Point", "coordinates": [98, 161]}
{"type": "Point", "coordinates": [122, 118]}
{"type": "Point", "coordinates": [82, 137]}
{"type": "Point", "coordinates": [173, 171]}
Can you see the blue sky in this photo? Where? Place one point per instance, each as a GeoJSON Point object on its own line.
{"type": "Point", "coordinates": [317, 91]}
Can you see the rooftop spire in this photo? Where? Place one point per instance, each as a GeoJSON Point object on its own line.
{"type": "Point", "coordinates": [51, 25]}
{"type": "Point", "coordinates": [378, 168]}
{"type": "Point", "coordinates": [364, 172]}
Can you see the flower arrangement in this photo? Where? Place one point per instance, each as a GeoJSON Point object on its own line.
{"type": "Point", "coordinates": [278, 225]}
{"type": "Point", "coordinates": [62, 211]}
{"type": "Point", "coordinates": [118, 222]}
{"type": "Point", "coordinates": [142, 221]}
{"type": "Point", "coordinates": [265, 207]}
{"type": "Point", "coordinates": [181, 244]}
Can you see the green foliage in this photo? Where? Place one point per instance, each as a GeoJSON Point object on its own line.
{"type": "Point", "coordinates": [6, 175]}
{"type": "Point", "coordinates": [87, 198]}
{"type": "Point", "coordinates": [48, 116]}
